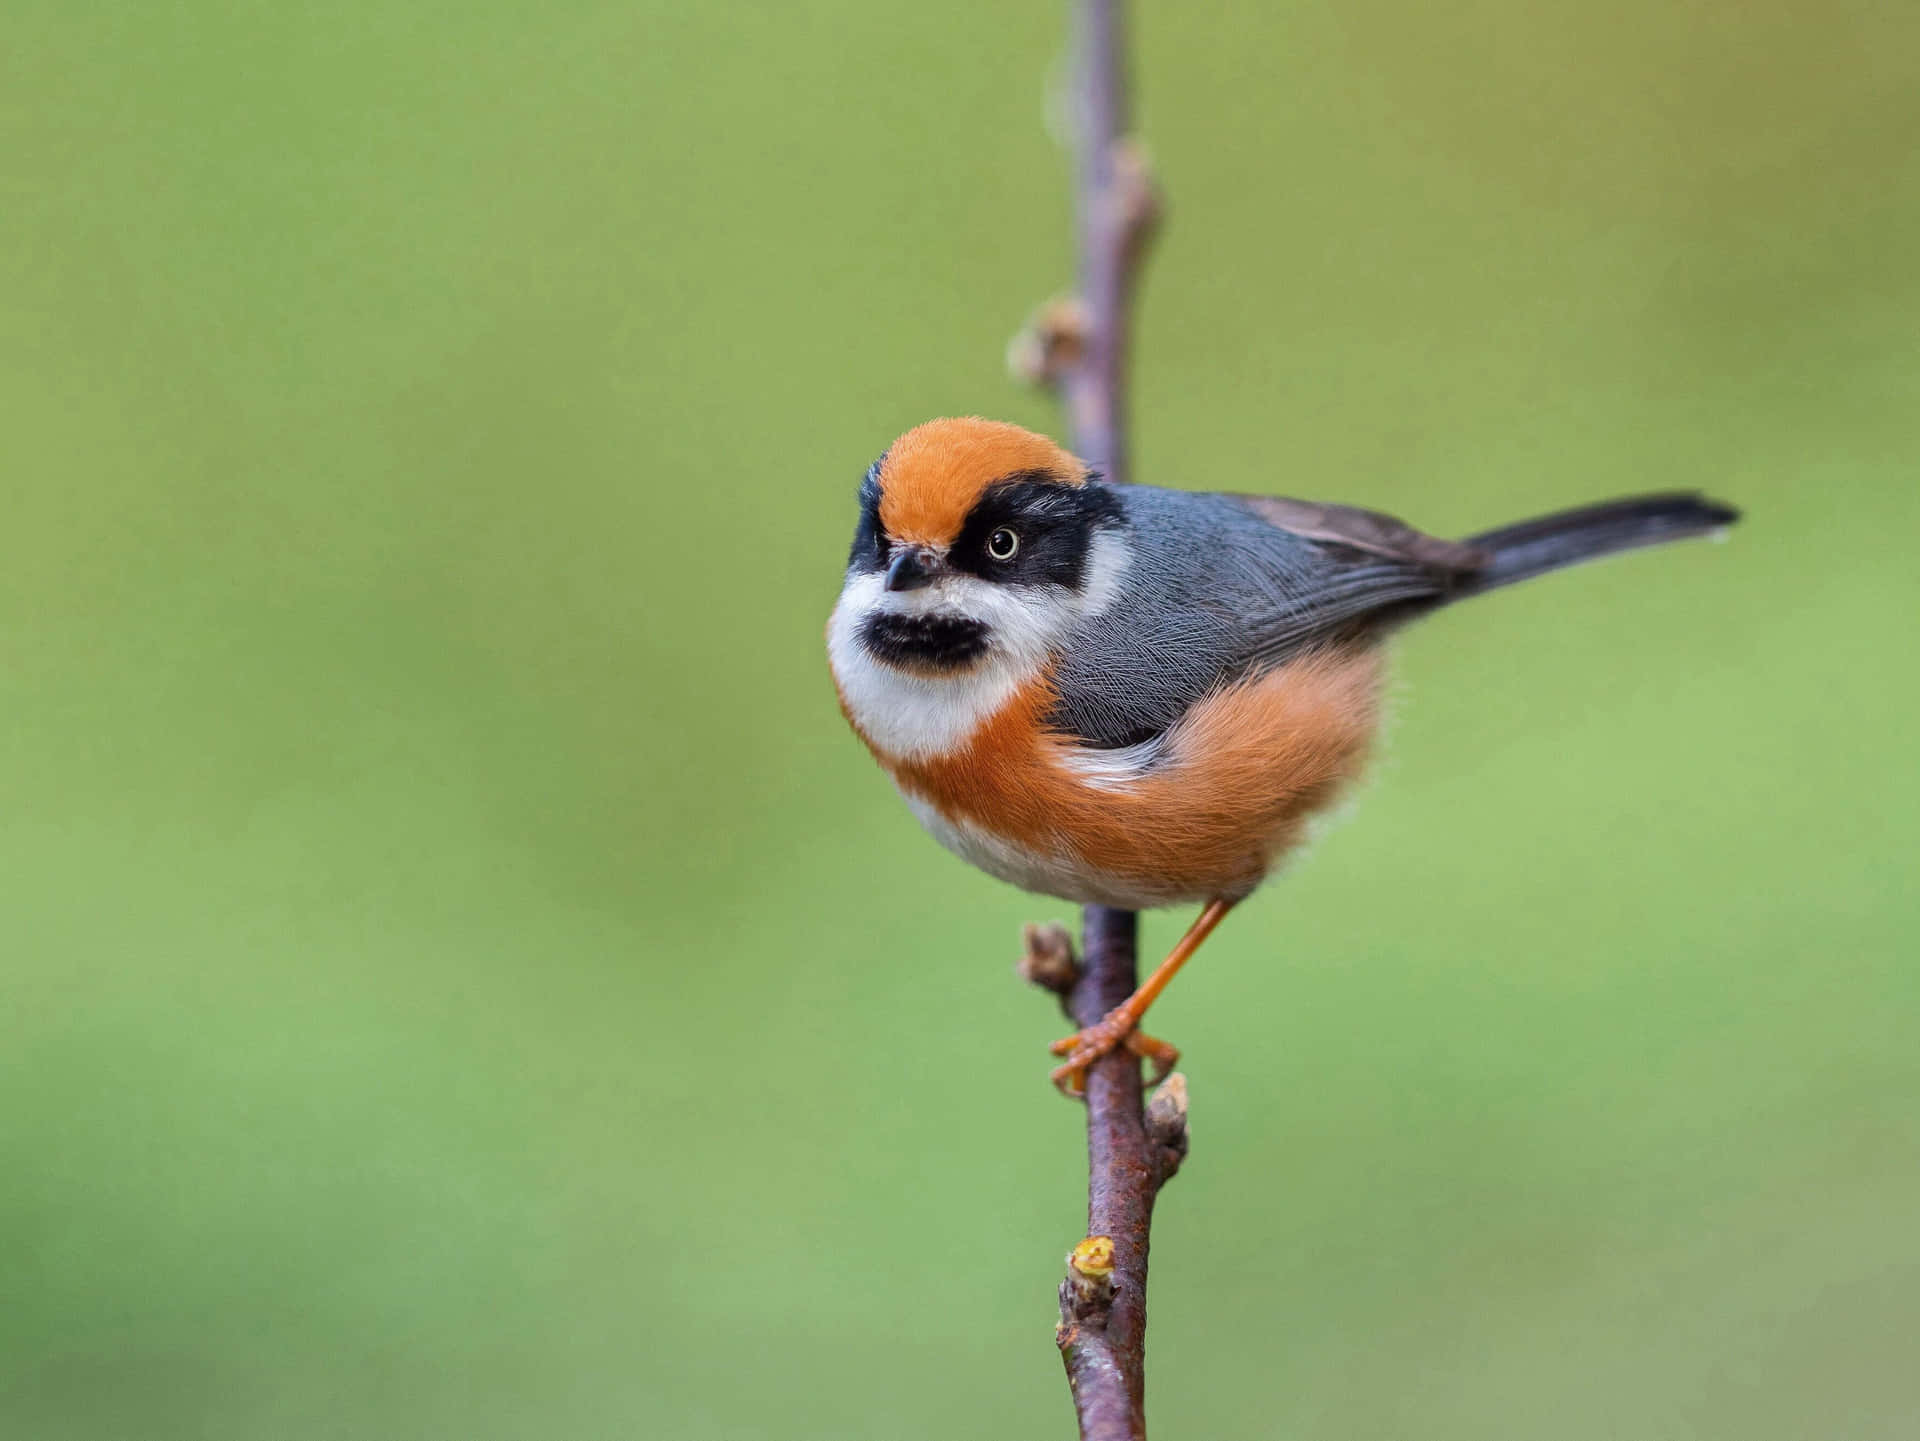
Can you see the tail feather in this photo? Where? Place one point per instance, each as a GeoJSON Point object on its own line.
{"type": "Point", "coordinates": [1550, 542]}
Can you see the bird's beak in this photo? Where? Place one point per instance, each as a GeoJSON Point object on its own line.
{"type": "Point", "coordinates": [913, 567]}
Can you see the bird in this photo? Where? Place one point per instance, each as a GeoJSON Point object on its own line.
{"type": "Point", "coordinates": [1138, 697]}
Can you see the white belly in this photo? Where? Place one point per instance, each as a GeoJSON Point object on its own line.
{"type": "Point", "coordinates": [1046, 873]}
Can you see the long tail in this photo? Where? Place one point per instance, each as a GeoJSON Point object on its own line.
{"type": "Point", "coordinates": [1534, 547]}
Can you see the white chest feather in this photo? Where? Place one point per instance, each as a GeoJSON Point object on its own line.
{"type": "Point", "coordinates": [906, 714]}
{"type": "Point", "coordinates": [915, 716]}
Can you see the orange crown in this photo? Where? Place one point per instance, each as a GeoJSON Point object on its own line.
{"type": "Point", "coordinates": [935, 472]}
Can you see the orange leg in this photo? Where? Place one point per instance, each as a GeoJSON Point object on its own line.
{"type": "Point", "coordinates": [1119, 1026]}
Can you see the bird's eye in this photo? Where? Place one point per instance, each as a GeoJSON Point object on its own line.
{"type": "Point", "coordinates": [1002, 544]}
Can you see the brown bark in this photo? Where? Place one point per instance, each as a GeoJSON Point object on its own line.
{"type": "Point", "coordinates": [1079, 346]}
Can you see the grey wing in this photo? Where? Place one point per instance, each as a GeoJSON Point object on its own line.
{"type": "Point", "coordinates": [1365, 530]}
{"type": "Point", "coordinates": [1224, 586]}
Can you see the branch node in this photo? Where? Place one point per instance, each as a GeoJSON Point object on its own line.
{"type": "Point", "coordinates": [1166, 1122]}
{"type": "Point", "coordinates": [1047, 958]}
{"type": "Point", "coordinates": [1052, 343]}
{"type": "Point", "coordinates": [1087, 1293]}
{"type": "Point", "coordinates": [1138, 199]}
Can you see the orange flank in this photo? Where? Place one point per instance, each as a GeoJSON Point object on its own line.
{"type": "Point", "coordinates": [1241, 774]}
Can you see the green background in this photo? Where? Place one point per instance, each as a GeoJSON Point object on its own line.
{"type": "Point", "coordinates": [460, 978]}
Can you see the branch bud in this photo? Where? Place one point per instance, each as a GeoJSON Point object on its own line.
{"type": "Point", "coordinates": [1166, 1122]}
{"type": "Point", "coordinates": [1088, 1288]}
{"type": "Point", "coordinates": [1047, 958]}
{"type": "Point", "coordinates": [1053, 342]}
{"type": "Point", "coordinates": [1138, 197]}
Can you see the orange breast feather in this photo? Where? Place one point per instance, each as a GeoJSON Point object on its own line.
{"type": "Point", "coordinates": [1243, 772]}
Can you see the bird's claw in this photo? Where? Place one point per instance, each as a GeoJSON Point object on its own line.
{"type": "Point", "coordinates": [1085, 1047]}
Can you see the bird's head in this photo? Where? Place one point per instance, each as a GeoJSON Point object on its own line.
{"type": "Point", "coordinates": [979, 546]}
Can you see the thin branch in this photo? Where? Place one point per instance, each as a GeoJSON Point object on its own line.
{"type": "Point", "coordinates": [1103, 1332]}
{"type": "Point", "coordinates": [1079, 345]}
{"type": "Point", "coordinates": [1132, 1153]}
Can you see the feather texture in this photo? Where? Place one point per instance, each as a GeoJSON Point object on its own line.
{"type": "Point", "coordinates": [1150, 694]}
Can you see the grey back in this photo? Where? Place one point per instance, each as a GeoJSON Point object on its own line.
{"type": "Point", "coordinates": [1216, 592]}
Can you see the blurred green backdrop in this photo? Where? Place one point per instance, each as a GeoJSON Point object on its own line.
{"type": "Point", "coordinates": [460, 978]}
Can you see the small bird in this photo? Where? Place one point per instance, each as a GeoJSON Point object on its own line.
{"type": "Point", "coordinates": [1137, 697]}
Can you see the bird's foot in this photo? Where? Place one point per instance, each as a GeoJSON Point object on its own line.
{"type": "Point", "coordinates": [1116, 1028]}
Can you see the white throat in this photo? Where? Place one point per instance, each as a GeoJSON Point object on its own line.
{"type": "Point", "coordinates": [913, 716]}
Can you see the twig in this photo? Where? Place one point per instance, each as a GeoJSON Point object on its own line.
{"type": "Point", "coordinates": [1079, 345]}
{"type": "Point", "coordinates": [1103, 1338]}
{"type": "Point", "coordinates": [1132, 1152]}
